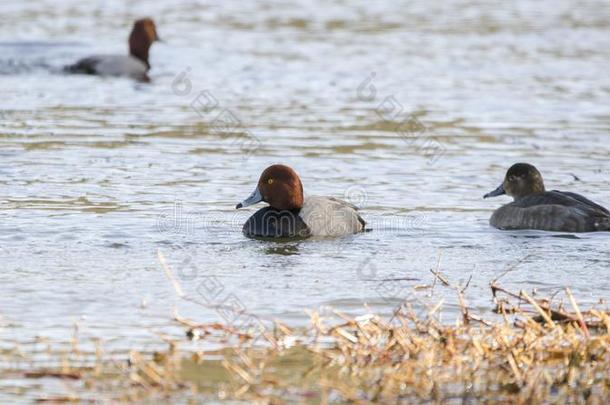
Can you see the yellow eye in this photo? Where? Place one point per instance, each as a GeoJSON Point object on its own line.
{"type": "Point", "coordinates": [270, 181]}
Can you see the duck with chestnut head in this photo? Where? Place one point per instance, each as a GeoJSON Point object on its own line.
{"type": "Point", "coordinates": [535, 208]}
{"type": "Point", "coordinates": [134, 65]}
{"type": "Point", "coordinates": [290, 214]}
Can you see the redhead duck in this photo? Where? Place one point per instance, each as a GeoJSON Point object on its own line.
{"type": "Point", "coordinates": [535, 208]}
{"type": "Point", "coordinates": [134, 65]}
{"type": "Point", "coordinates": [291, 215]}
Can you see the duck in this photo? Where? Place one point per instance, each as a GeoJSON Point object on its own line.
{"type": "Point", "coordinates": [135, 65]}
{"type": "Point", "coordinates": [535, 208]}
{"type": "Point", "coordinates": [291, 215]}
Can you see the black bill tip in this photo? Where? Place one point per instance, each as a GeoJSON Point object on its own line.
{"type": "Point", "coordinates": [496, 192]}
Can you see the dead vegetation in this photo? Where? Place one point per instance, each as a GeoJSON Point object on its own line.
{"type": "Point", "coordinates": [537, 350]}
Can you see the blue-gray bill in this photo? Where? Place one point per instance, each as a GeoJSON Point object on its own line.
{"type": "Point", "coordinates": [254, 198]}
{"type": "Point", "coordinates": [498, 191]}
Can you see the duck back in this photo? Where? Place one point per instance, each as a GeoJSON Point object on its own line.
{"type": "Point", "coordinates": [553, 211]}
{"type": "Point", "coordinates": [328, 216]}
{"type": "Point", "coordinates": [111, 65]}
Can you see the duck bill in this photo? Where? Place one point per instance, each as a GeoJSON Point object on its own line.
{"type": "Point", "coordinates": [496, 192]}
{"type": "Point", "coordinates": [254, 198]}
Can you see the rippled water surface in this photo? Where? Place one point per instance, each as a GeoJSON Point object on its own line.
{"type": "Point", "coordinates": [412, 110]}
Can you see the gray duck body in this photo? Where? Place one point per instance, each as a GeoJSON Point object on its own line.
{"type": "Point", "coordinates": [552, 211]}
{"type": "Point", "coordinates": [111, 65]}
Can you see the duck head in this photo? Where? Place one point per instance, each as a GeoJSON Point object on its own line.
{"type": "Point", "coordinates": [280, 186]}
{"type": "Point", "coordinates": [522, 179]}
{"type": "Point", "coordinates": [143, 34]}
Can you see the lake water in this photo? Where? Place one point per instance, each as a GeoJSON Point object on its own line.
{"type": "Point", "coordinates": [412, 110]}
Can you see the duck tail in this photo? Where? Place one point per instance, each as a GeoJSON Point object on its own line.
{"type": "Point", "coordinates": [70, 68]}
{"type": "Point", "coordinates": [86, 66]}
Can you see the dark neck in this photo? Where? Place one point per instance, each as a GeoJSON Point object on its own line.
{"type": "Point", "coordinates": [294, 211]}
{"type": "Point", "coordinates": [536, 192]}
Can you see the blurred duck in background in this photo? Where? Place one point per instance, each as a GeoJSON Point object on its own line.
{"type": "Point", "coordinates": [135, 65]}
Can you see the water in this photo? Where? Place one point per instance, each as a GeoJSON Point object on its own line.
{"type": "Point", "coordinates": [98, 175]}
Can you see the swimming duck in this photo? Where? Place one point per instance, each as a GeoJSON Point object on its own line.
{"type": "Point", "coordinates": [134, 65]}
{"type": "Point", "coordinates": [289, 214]}
{"type": "Point", "coordinates": [535, 208]}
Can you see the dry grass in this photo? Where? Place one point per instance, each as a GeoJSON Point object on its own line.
{"type": "Point", "coordinates": [536, 350]}
{"type": "Point", "coordinates": [537, 353]}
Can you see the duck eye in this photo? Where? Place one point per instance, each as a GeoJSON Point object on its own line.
{"type": "Point", "coordinates": [511, 178]}
{"type": "Point", "coordinates": [270, 181]}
